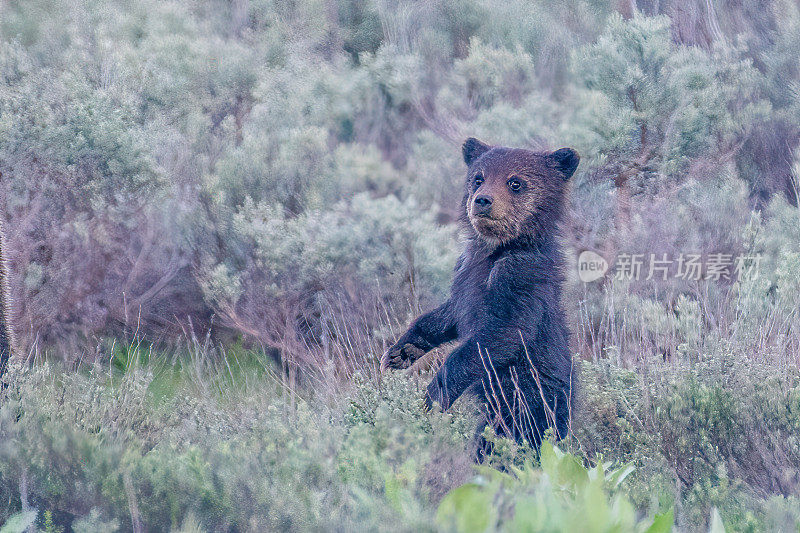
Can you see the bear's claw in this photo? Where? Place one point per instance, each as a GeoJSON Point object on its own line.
{"type": "Point", "coordinates": [400, 357]}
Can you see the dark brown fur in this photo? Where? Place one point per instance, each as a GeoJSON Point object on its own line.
{"type": "Point", "coordinates": [505, 302]}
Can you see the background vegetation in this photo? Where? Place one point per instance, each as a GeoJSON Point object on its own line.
{"type": "Point", "coordinates": [218, 214]}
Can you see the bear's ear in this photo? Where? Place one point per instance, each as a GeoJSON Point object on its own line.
{"type": "Point", "coordinates": [473, 149]}
{"type": "Point", "coordinates": [566, 161]}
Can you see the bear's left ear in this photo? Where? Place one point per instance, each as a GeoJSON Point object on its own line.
{"type": "Point", "coordinates": [473, 149]}
{"type": "Point", "coordinates": [566, 161]}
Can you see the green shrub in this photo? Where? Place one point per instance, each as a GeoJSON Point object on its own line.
{"type": "Point", "coordinates": [562, 495]}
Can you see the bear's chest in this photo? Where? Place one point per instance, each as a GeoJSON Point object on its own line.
{"type": "Point", "coordinates": [470, 293]}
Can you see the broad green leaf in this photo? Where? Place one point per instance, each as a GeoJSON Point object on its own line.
{"type": "Point", "coordinates": [623, 515]}
{"type": "Point", "coordinates": [571, 472]}
{"type": "Point", "coordinates": [469, 508]}
{"type": "Point", "coordinates": [662, 523]}
{"type": "Point", "coordinates": [530, 514]}
{"type": "Point", "coordinates": [548, 459]}
{"type": "Point", "coordinates": [489, 475]}
{"type": "Point", "coordinates": [596, 508]}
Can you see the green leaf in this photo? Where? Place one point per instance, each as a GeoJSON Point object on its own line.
{"type": "Point", "coordinates": [572, 472]}
{"type": "Point", "coordinates": [468, 507]}
{"type": "Point", "coordinates": [530, 514]}
{"type": "Point", "coordinates": [662, 523]}
{"type": "Point", "coordinates": [19, 522]}
{"type": "Point", "coordinates": [595, 507]}
{"type": "Point", "coordinates": [548, 459]}
{"type": "Point", "coordinates": [618, 476]}
{"type": "Point", "coordinates": [716, 525]}
{"type": "Point", "coordinates": [597, 472]}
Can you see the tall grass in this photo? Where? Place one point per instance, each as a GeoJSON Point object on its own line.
{"type": "Point", "coordinates": [699, 404]}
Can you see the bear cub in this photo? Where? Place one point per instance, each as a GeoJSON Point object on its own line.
{"type": "Point", "coordinates": [505, 303]}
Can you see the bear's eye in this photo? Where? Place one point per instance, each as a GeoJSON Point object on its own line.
{"type": "Point", "coordinates": [514, 184]}
{"type": "Point", "coordinates": [478, 179]}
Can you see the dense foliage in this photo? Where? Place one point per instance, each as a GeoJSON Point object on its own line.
{"type": "Point", "coordinates": [282, 179]}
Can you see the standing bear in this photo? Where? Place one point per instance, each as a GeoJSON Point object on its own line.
{"type": "Point", "coordinates": [505, 298]}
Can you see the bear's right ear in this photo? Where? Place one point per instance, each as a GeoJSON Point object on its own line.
{"type": "Point", "coordinates": [473, 149]}
{"type": "Point", "coordinates": [566, 160]}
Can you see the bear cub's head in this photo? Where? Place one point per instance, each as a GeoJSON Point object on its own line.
{"type": "Point", "coordinates": [511, 192]}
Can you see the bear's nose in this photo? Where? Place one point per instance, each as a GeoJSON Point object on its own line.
{"type": "Point", "coordinates": [482, 204]}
